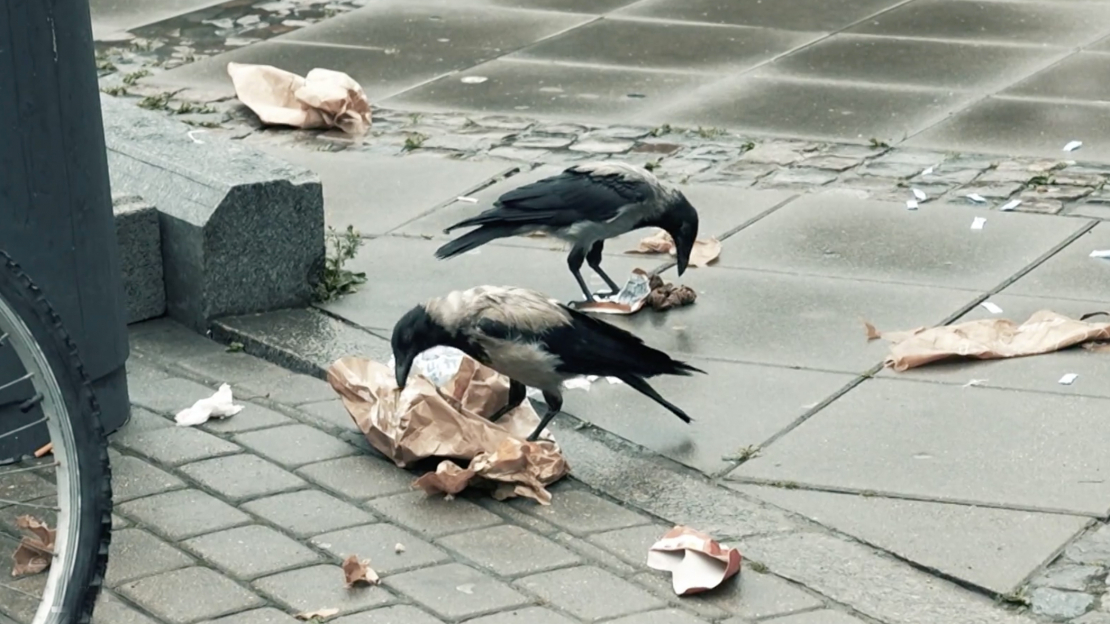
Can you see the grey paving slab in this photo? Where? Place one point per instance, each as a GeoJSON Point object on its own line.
{"type": "Point", "coordinates": [291, 389]}
{"type": "Point", "coordinates": [974, 66]}
{"type": "Point", "coordinates": [589, 593]}
{"type": "Point", "coordinates": [536, 615]}
{"type": "Point", "coordinates": [418, 275]}
{"type": "Point", "coordinates": [847, 112]}
{"type": "Point", "coordinates": [308, 513]}
{"type": "Point", "coordinates": [295, 445]}
{"type": "Point", "coordinates": [551, 91]}
{"type": "Point", "coordinates": [268, 615]}
{"type": "Point", "coordinates": [134, 478]}
{"type": "Point", "coordinates": [253, 416]}
{"type": "Point", "coordinates": [749, 595]}
{"type": "Point", "coordinates": [510, 550]}
{"type": "Point", "coordinates": [733, 406]}
{"type": "Point", "coordinates": [811, 15]}
{"type": "Point", "coordinates": [183, 514]}
{"type": "Point", "coordinates": [1022, 128]}
{"type": "Point", "coordinates": [630, 544]}
{"type": "Point", "coordinates": [378, 193]}
{"type": "Point", "coordinates": [112, 610]}
{"type": "Point", "coordinates": [1072, 273]}
{"type": "Point", "coordinates": [169, 396]}
{"type": "Point", "coordinates": [359, 477]}
{"type": "Point", "coordinates": [229, 367]}
{"type": "Point", "coordinates": [134, 553]}
{"type": "Point", "coordinates": [455, 591]}
{"type": "Point", "coordinates": [377, 542]}
{"type": "Point", "coordinates": [251, 551]}
{"type": "Point", "coordinates": [1040, 373]}
{"type": "Point", "coordinates": [242, 476]}
{"type": "Point", "coordinates": [1082, 76]}
{"type": "Point", "coordinates": [1006, 448]}
{"type": "Point", "coordinates": [1102, 46]}
{"type": "Point", "coordinates": [111, 18]}
{"type": "Point", "coordinates": [397, 614]}
{"type": "Point", "coordinates": [992, 548]}
{"type": "Point", "coordinates": [177, 445]}
{"type": "Point", "coordinates": [665, 616]}
{"type": "Point", "coordinates": [172, 596]}
{"type": "Point", "coordinates": [330, 415]}
{"type": "Point", "coordinates": [433, 515]}
{"type": "Point", "coordinates": [837, 234]}
{"type": "Point", "coordinates": [1019, 22]}
{"type": "Point", "coordinates": [789, 320]}
{"type": "Point", "coordinates": [580, 513]}
{"type": "Point", "coordinates": [167, 338]}
{"type": "Point", "coordinates": [824, 616]}
{"type": "Point", "coordinates": [320, 587]}
{"type": "Point", "coordinates": [670, 46]}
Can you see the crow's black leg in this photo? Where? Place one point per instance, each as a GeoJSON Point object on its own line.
{"type": "Point", "coordinates": [594, 260]}
{"type": "Point", "coordinates": [517, 394]}
{"type": "Point", "coordinates": [574, 261]}
{"type": "Point", "coordinates": [554, 402]}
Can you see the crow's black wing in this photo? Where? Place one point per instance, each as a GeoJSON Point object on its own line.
{"type": "Point", "coordinates": [562, 200]}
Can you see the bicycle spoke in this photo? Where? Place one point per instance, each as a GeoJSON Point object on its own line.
{"type": "Point", "coordinates": [31, 402]}
{"type": "Point", "coordinates": [4, 473]}
{"type": "Point", "coordinates": [26, 377]}
{"type": "Point", "coordinates": [24, 427]}
{"type": "Point", "coordinates": [3, 339]}
{"type": "Point", "coordinates": [31, 505]}
{"type": "Point", "coordinates": [19, 591]}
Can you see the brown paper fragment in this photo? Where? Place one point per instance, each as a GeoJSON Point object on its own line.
{"type": "Point", "coordinates": [35, 551]}
{"type": "Point", "coordinates": [425, 421]}
{"type": "Point", "coordinates": [705, 251]}
{"type": "Point", "coordinates": [317, 614]}
{"type": "Point", "coordinates": [322, 99]}
{"type": "Point", "coordinates": [697, 562]}
{"type": "Point", "coordinates": [987, 339]}
{"type": "Point", "coordinates": [358, 572]}
{"type": "Point", "coordinates": [872, 333]}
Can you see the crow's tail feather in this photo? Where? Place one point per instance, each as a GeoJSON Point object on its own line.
{"type": "Point", "coordinates": [644, 388]}
{"type": "Point", "coordinates": [472, 240]}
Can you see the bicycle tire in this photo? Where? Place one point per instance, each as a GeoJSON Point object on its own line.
{"type": "Point", "coordinates": [77, 596]}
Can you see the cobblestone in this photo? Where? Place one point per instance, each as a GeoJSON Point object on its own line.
{"type": "Point", "coordinates": [510, 551]}
{"type": "Point", "coordinates": [177, 445]}
{"type": "Point", "coordinates": [111, 610]}
{"type": "Point", "coordinates": [1058, 604]}
{"type": "Point", "coordinates": [176, 596]}
{"type": "Point", "coordinates": [308, 513]}
{"type": "Point", "coordinates": [359, 477]}
{"type": "Point", "coordinates": [455, 591]}
{"type": "Point", "coordinates": [295, 445]}
{"type": "Point", "coordinates": [399, 614]}
{"type": "Point", "coordinates": [134, 553]}
{"type": "Point", "coordinates": [590, 593]}
{"type": "Point", "coordinates": [251, 551]}
{"type": "Point", "coordinates": [666, 616]}
{"type": "Point", "coordinates": [579, 512]}
{"type": "Point", "coordinates": [169, 396]}
{"type": "Point", "coordinates": [269, 615]}
{"type": "Point", "coordinates": [290, 389]}
{"type": "Point", "coordinates": [433, 515]}
{"type": "Point", "coordinates": [134, 478]}
{"type": "Point", "coordinates": [240, 477]}
{"type": "Point", "coordinates": [377, 542]}
{"type": "Point", "coordinates": [183, 514]}
{"type": "Point", "coordinates": [252, 417]}
{"type": "Point", "coordinates": [320, 587]}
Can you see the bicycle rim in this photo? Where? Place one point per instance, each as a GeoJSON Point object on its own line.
{"type": "Point", "coordinates": [53, 405]}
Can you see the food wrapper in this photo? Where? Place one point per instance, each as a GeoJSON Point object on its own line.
{"type": "Point", "coordinates": [697, 562]}
{"type": "Point", "coordinates": [705, 251]}
{"type": "Point", "coordinates": [35, 551]}
{"type": "Point", "coordinates": [425, 420]}
{"type": "Point", "coordinates": [988, 339]}
{"type": "Point", "coordinates": [322, 99]}
{"type": "Point", "coordinates": [642, 290]}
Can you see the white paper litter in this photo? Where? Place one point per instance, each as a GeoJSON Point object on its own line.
{"type": "Point", "coordinates": [911, 204]}
{"type": "Point", "coordinates": [1073, 145]}
{"type": "Point", "coordinates": [974, 382]}
{"type": "Point", "coordinates": [219, 405]}
{"type": "Point", "coordinates": [1010, 205]}
{"type": "Point", "coordinates": [978, 223]}
{"type": "Point", "coordinates": [191, 133]}
{"type": "Point", "coordinates": [1068, 379]}
{"type": "Point", "coordinates": [474, 79]}
{"type": "Point", "coordinates": [991, 307]}
{"type": "Point", "coordinates": [919, 194]}
{"type": "Point", "coordinates": [928, 171]}
{"type": "Point", "coordinates": [469, 200]}
{"type": "Point", "coordinates": [977, 198]}
{"type": "Point", "coordinates": [1100, 253]}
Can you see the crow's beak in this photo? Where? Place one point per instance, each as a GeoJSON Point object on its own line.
{"type": "Point", "coordinates": [683, 246]}
{"type": "Point", "coordinates": [403, 366]}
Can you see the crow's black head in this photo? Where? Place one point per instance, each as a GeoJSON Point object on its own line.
{"type": "Point", "coordinates": [681, 222]}
{"type": "Point", "coordinates": [415, 333]}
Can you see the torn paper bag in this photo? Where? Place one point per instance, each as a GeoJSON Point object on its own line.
{"type": "Point", "coordinates": [697, 562]}
{"type": "Point", "coordinates": [219, 405]}
{"type": "Point", "coordinates": [322, 99]}
{"type": "Point", "coordinates": [36, 550]}
{"type": "Point", "coordinates": [425, 421]}
{"type": "Point", "coordinates": [642, 290]}
{"type": "Point", "coordinates": [987, 339]}
{"type": "Point", "coordinates": [706, 250]}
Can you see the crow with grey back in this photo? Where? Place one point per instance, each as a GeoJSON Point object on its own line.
{"type": "Point", "coordinates": [533, 341]}
{"type": "Point", "coordinates": [585, 205]}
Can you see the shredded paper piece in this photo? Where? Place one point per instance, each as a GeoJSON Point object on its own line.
{"type": "Point", "coordinates": [705, 251]}
{"type": "Point", "coordinates": [640, 291]}
{"type": "Point", "coordinates": [974, 382]}
{"type": "Point", "coordinates": [322, 99]}
{"type": "Point", "coordinates": [988, 339]}
{"type": "Point", "coordinates": [978, 223]}
{"type": "Point", "coordinates": [697, 562]}
{"type": "Point", "coordinates": [474, 80]}
{"type": "Point", "coordinates": [1073, 145]}
{"type": "Point", "coordinates": [468, 200]}
{"type": "Point", "coordinates": [927, 171]}
{"type": "Point", "coordinates": [358, 572]}
{"type": "Point", "coordinates": [919, 194]}
{"type": "Point", "coordinates": [1010, 205]}
{"type": "Point", "coordinates": [36, 550]}
{"type": "Point", "coordinates": [977, 198]}
{"type": "Point", "coordinates": [317, 614]}
{"type": "Point", "coordinates": [911, 204]}
{"type": "Point", "coordinates": [219, 405]}
{"type": "Point", "coordinates": [991, 307]}
{"type": "Point", "coordinates": [1068, 379]}
{"type": "Point", "coordinates": [449, 422]}
{"type": "Point", "coordinates": [1100, 253]}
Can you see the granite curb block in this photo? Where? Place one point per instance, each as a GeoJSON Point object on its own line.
{"type": "Point", "coordinates": [140, 248]}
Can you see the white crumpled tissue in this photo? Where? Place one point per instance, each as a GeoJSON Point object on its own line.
{"type": "Point", "coordinates": [219, 405]}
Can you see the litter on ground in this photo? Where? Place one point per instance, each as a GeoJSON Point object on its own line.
{"type": "Point", "coordinates": [219, 405]}
{"type": "Point", "coordinates": [697, 562]}
{"type": "Point", "coordinates": [321, 99]}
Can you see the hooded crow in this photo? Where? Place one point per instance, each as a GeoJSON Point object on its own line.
{"type": "Point", "coordinates": [585, 205]}
{"type": "Point", "coordinates": [532, 340]}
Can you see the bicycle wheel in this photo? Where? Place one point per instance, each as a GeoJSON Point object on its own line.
{"type": "Point", "coordinates": [58, 394]}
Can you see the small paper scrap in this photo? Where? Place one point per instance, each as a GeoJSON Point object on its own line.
{"type": "Point", "coordinates": [919, 194]}
{"type": "Point", "coordinates": [697, 562]}
{"type": "Point", "coordinates": [468, 200]}
{"type": "Point", "coordinates": [36, 550]}
{"type": "Point", "coordinates": [474, 80]}
{"type": "Point", "coordinates": [991, 307]}
{"type": "Point", "coordinates": [358, 572]}
{"type": "Point", "coordinates": [978, 223]}
{"type": "Point", "coordinates": [974, 382]}
{"type": "Point", "coordinates": [977, 198]}
{"type": "Point", "coordinates": [318, 614]}
{"type": "Point", "coordinates": [1073, 145]}
{"type": "Point", "coordinates": [705, 251]}
{"type": "Point", "coordinates": [1010, 205]}
{"type": "Point", "coordinates": [219, 405]}
{"type": "Point", "coordinates": [1068, 379]}
{"type": "Point", "coordinates": [928, 171]}
{"type": "Point", "coordinates": [911, 204]}
{"type": "Point", "coordinates": [1100, 253]}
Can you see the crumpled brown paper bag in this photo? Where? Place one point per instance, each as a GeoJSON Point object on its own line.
{"type": "Point", "coordinates": [705, 251]}
{"type": "Point", "coordinates": [424, 421]}
{"type": "Point", "coordinates": [987, 339]}
{"type": "Point", "coordinates": [322, 99]}
{"type": "Point", "coordinates": [34, 553]}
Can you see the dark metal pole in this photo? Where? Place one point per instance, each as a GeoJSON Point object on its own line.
{"type": "Point", "coordinates": [55, 202]}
